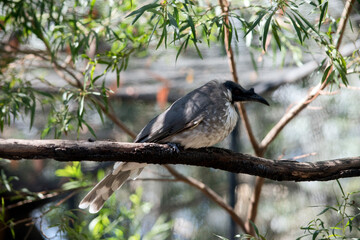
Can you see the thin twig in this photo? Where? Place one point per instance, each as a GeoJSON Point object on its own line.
{"type": "Point", "coordinates": [343, 21]}
{"type": "Point", "coordinates": [250, 133]}
{"type": "Point", "coordinates": [24, 220]}
{"type": "Point", "coordinates": [289, 115]}
{"type": "Point", "coordinates": [157, 179]}
{"type": "Point", "coordinates": [211, 194]}
{"type": "Point", "coordinates": [224, 4]}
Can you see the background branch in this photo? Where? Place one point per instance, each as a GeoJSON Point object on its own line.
{"type": "Point", "coordinates": [209, 193]}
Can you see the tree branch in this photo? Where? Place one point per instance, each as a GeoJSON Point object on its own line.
{"type": "Point", "coordinates": [280, 170]}
{"type": "Point", "coordinates": [291, 114]}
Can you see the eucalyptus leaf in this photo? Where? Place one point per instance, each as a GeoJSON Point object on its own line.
{"type": "Point", "coordinates": [261, 14]}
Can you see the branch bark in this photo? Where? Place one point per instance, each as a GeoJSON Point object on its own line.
{"type": "Point", "coordinates": [280, 170]}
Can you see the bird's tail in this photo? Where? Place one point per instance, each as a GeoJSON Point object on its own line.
{"type": "Point", "coordinates": [122, 171]}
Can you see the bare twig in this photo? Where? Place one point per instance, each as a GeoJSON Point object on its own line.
{"type": "Point", "coordinates": [289, 115]}
{"type": "Point", "coordinates": [157, 179]}
{"type": "Point", "coordinates": [208, 192]}
{"type": "Point", "coordinates": [224, 4]}
{"type": "Point", "coordinates": [343, 21]}
{"type": "Point", "coordinates": [245, 119]}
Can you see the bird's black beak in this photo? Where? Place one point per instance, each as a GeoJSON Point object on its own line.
{"type": "Point", "coordinates": [250, 95]}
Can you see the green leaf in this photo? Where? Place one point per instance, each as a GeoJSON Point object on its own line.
{"type": "Point", "coordinates": [326, 73]}
{"type": "Point", "coordinates": [90, 128]}
{"type": "Point", "coordinates": [192, 26]}
{"type": "Point", "coordinates": [315, 234]}
{"type": "Point", "coordinates": [342, 73]}
{"type": "Point", "coordinates": [266, 29]}
{"type": "Point", "coordinates": [5, 181]}
{"type": "Point", "coordinates": [276, 36]}
{"type": "Point", "coordinates": [253, 61]}
{"type": "Point", "coordinates": [324, 211]}
{"type": "Point", "coordinates": [141, 11]}
{"type": "Point", "coordinates": [298, 32]}
{"type": "Point", "coordinates": [173, 22]}
{"type": "Point", "coordinates": [256, 22]}
{"type": "Point", "coordinates": [331, 77]}
{"type": "Point", "coordinates": [45, 132]}
{"type": "Point", "coordinates": [221, 237]}
{"type": "Point", "coordinates": [349, 223]}
{"type": "Point", "coordinates": [181, 47]}
{"type": "Point", "coordinates": [72, 185]}
{"type": "Point", "coordinates": [306, 22]}
{"type": "Point", "coordinates": [163, 36]}
{"type": "Point", "coordinates": [152, 33]}
{"type": "Point", "coordinates": [341, 188]}
{"type": "Point", "coordinates": [81, 106]}
{"type": "Point", "coordinates": [197, 50]}
{"type": "Point", "coordinates": [343, 62]}
{"type": "Point", "coordinates": [323, 13]}
{"type": "Point", "coordinates": [230, 29]}
{"type": "Point", "coordinates": [72, 171]}
{"type": "Point", "coordinates": [46, 94]}
{"type": "Point", "coordinates": [301, 25]}
{"type": "Point", "coordinates": [351, 26]}
{"type": "Point", "coordinates": [255, 228]}
{"type": "Point", "coordinates": [236, 34]}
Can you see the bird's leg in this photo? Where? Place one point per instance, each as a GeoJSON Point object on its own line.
{"type": "Point", "coordinates": [174, 146]}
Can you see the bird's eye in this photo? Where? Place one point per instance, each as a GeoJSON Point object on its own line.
{"type": "Point", "coordinates": [236, 91]}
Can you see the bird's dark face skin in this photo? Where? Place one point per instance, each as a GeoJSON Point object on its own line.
{"type": "Point", "coordinates": [239, 94]}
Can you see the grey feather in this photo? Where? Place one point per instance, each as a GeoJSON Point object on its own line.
{"type": "Point", "coordinates": [185, 113]}
{"type": "Point", "coordinates": [96, 198]}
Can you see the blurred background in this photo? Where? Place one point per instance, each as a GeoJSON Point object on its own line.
{"type": "Point", "coordinates": [150, 207]}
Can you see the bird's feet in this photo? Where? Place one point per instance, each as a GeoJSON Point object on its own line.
{"type": "Point", "coordinates": [174, 146]}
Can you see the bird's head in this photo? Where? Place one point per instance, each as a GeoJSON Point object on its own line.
{"type": "Point", "coordinates": [239, 94]}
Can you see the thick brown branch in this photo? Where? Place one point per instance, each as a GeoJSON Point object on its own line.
{"type": "Point", "coordinates": [281, 170]}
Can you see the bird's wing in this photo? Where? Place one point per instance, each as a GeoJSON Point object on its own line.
{"type": "Point", "coordinates": [187, 112]}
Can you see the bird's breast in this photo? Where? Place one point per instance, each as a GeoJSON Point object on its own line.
{"type": "Point", "coordinates": [215, 126]}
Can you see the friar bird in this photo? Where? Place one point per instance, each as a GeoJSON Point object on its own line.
{"type": "Point", "coordinates": [202, 118]}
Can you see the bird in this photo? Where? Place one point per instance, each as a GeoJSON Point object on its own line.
{"type": "Point", "coordinates": [201, 118]}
